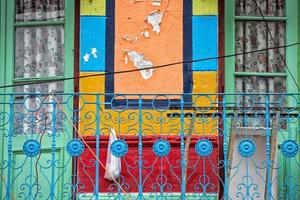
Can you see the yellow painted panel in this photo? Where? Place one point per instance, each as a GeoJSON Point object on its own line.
{"type": "Point", "coordinates": [205, 7]}
{"type": "Point", "coordinates": [153, 122]}
{"type": "Point", "coordinates": [92, 84]}
{"type": "Point", "coordinates": [205, 82]}
{"type": "Point", "coordinates": [87, 104]}
{"type": "Point", "coordinates": [92, 7]}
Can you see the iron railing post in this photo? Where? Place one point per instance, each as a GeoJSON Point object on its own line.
{"type": "Point", "coordinates": [182, 147]}
{"type": "Point", "coordinates": [9, 148]}
{"type": "Point", "coordinates": [268, 149]}
{"type": "Point", "coordinates": [53, 149]}
{"type": "Point", "coordinates": [225, 144]}
{"type": "Point", "coordinates": [140, 149]}
{"type": "Point", "coordinates": [97, 147]}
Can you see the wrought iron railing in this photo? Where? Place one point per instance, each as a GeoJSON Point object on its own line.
{"type": "Point", "coordinates": [175, 146]}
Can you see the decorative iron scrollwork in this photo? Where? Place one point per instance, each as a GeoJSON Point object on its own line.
{"type": "Point", "coordinates": [31, 148]}
{"type": "Point", "coordinates": [75, 147]}
{"type": "Point", "coordinates": [246, 148]}
{"type": "Point", "coordinates": [119, 148]}
{"type": "Point", "coordinates": [161, 148]}
{"type": "Point", "coordinates": [204, 147]}
{"type": "Point", "coordinates": [289, 148]}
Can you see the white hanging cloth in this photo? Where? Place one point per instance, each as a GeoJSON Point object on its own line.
{"type": "Point", "coordinates": [113, 164]}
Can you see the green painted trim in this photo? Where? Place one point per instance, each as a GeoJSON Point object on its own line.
{"type": "Point", "coordinates": [292, 55]}
{"type": "Point", "coordinates": [229, 48]}
{"type": "Point", "coordinates": [10, 45]}
{"type": "Point", "coordinates": [69, 44]}
{"type": "Point", "coordinates": [40, 23]}
{"type": "Point", "coordinates": [68, 72]}
{"type": "Point", "coordinates": [2, 81]}
{"type": "Point", "coordinates": [298, 23]}
{"type": "Point", "coordinates": [7, 44]}
{"type": "Point", "coordinates": [26, 80]}
{"type": "Point", "coordinates": [257, 18]}
{"type": "Point", "coordinates": [260, 74]}
{"type": "Point", "coordinates": [68, 40]}
{"type": "Point", "coordinates": [174, 196]}
{"type": "Point", "coordinates": [292, 60]}
{"type": "Point", "coordinates": [292, 27]}
{"type": "Point", "coordinates": [46, 151]}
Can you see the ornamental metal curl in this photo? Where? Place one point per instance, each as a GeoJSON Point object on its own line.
{"type": "Point", "coordinates": [75, 147]}
{"type": "Point", "coordinates": [161, 148]}
{"type": "Point", "coordinates": [31, 148]}
{"type": "Point", "coordinates": [44, 159]}
{"type": "Point", "coordinates": [203, 147]}
{"type": "Point", "coordinates": [119, 148]}
{"type": "Point", "coordinates": [289, 148]}
{"type": "Point", "coordinates": [246, 148]}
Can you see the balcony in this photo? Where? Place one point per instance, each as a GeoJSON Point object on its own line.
{"type": "Point", "coordinates": [167, 146]}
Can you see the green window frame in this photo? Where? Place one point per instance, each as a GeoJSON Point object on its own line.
{"type": "Point", "coordinates": [7, 44]}
{"type": "Point", "coordinates": [7, 71]}
{"type": "Point", "coordinates": [292, 36]}
{"type": "Point", "coordinates": [292, 20]}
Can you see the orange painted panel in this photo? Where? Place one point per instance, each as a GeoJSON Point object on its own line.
{"type": "Point", "coordinates": [165, 47]}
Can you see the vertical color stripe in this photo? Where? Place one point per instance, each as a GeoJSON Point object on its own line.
{"type": "Point", "coordinates": [205, 7]}
{"type": "Point", "coordinates": [92, 7]}
{"type": "Point", "coordinates": [92, 44]}
{"type": "Point", "coordinates": [205, 45]}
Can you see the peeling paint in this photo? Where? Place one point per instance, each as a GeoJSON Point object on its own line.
{"type": "Point", "coordinates": [94, 52]}
{"type": "Point", "coordinates": [126, 60]}
{"type": "Point", "coordinates": [156, 2]}
{"type": "Point", "coordinates": [86, 57]}
{"type": "Point", "coordinates": [155, 19]}
{"type": "Point", "coordinates": [141, 63]}
{"type": "Point", "coordinates": [145, 34]}
{"type": "Point", "coordinates": [137, 1]}
{"type": "Point", "coordinates": [130, 39]}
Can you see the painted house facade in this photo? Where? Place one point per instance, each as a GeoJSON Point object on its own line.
{"type": "Point", "coordinates": [202, 96]}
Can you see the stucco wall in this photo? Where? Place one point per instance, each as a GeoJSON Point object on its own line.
{"type": "Point", "coordinates": [132, 32]}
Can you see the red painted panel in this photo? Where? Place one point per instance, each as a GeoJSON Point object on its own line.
{"type": "Point", "coordinates": [200, 169]}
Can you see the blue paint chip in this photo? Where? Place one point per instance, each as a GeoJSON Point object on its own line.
{"type": "Point", "coordinates": [205, 42]}
{"type": "Point", "coordinates": [92, 44]}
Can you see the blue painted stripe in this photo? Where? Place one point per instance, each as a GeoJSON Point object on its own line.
{"type": "Point", "coordinates": [205, 42]}
{"type": "Point", "coordinates": [92, 37]}
{"type": "Point", "coordinates": [110, 50]}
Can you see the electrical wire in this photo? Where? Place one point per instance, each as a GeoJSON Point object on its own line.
{"type": "Point", "coordinates": [274, 43]}
{"type": "Point", "coordinates": [86, 144]}
{"type": "Point", "coordinates": [163, 66]}
{"type": "Point", "coordinates": [153, 67]}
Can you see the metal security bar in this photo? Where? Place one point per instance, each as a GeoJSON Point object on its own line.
{"type": "Point", "coordinates": [166, 146]}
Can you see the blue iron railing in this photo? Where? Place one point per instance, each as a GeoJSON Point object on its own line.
{"type": "Point", "coordinates": [174, 146]}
